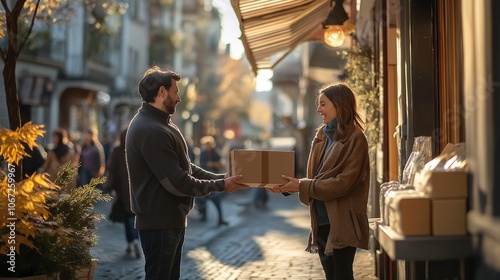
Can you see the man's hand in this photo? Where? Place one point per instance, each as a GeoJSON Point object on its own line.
{"type": "Point", "coordinates": [230, 185]}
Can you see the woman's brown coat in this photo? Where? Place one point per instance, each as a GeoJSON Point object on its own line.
{"type": "Point", "coordinates": [52, 164]}
{"type": "Point", "coordinates": [342, 183]}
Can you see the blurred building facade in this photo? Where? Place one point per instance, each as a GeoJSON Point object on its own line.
{"type": "Point", "coordinates": [76, 76]}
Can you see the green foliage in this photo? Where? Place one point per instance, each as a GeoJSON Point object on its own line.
{"type": "Point", "coordinates": [76, 213]}
{"type": "Point", "coordinates": [65, 175]}
{"type": "Point", "coordinates": [364, 82]}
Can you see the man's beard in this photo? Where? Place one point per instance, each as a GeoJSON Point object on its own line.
{"type": "Point", "coordinates": [169, 104]}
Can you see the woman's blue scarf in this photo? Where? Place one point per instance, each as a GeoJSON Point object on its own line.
{"type": "Point", "coordinates": [329, 129]}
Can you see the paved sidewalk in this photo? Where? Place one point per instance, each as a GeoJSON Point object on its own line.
{"type": "Point", "coordinates": [234, 243]}
{"type": "Point", "coordinates": [268, 244]}
{"type": "Point", "coordinates": [114, 263]}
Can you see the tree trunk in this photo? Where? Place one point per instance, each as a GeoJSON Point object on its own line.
{"type": "Point", "coordinates": [12, 97]}
{"type": "Point", "coordinates": [9, 72]}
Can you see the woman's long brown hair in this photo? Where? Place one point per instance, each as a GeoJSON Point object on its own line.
{"type": "Point", "coordinates": [344, 100]}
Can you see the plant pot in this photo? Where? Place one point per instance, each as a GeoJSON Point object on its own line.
{"type": "Point", "coordinates": [82, 274]}
{"type": "Point", "coordinates": [88, 273]}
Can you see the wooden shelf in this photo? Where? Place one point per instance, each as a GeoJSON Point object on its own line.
{"type": "Point", "coordinates": [427, 248]}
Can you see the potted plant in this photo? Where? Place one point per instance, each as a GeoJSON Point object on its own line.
{"type": "Point", "coordinates": [43, 230]}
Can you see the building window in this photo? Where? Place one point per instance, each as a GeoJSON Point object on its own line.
{"type": "Point", "coordinates": [134, 9]}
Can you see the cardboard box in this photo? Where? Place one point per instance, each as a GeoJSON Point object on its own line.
{"type": "Point", "coordinates": [410, 213]}
{"type": "Point", "coordinates": [261, 168]}
{"type": "Point", "coordinates": [449, 217]}
{"type": "Point", "coordinates": [445, 184]}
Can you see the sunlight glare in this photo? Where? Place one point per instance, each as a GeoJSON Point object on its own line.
{"type": "Point", "coordinates": [263, 80]}
{"type": "Point", "coordinates": [230, 28]}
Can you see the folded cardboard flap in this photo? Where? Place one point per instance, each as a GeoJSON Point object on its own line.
{"type": "Point", "coordinates": [261, 168]}
{"type": "Point", "coordinates": [458, 149]}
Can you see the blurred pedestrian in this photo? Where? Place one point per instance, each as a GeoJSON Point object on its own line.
{"type": "Point", "coordinates": [35, 159]}
{"type": "Point", "coordinates": [163, 181]}
{"type": "Point", "coordinates": [107, 147]}
{"type": "Point", "coordinates": [336, 187]}
{"type": "Point", "coordinates": [191, 149]}
{"type": "Point", "coordinates": [60, 152]}
{"type": "Point", "coordinates": [260, 198]}
{"type": "Point", "coordinates": [210, 160]}
{"type": "Point", "coordinates": [117, 181]}
{"type": "Point", "coordinates": [76, 144]}
{"type": "Point", "coordinates": [92, 158]}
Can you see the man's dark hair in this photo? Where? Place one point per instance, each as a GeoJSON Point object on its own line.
{"type": "Point", "coordinates": [153, 79]}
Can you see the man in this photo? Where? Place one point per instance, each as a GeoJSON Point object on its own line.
{"type": "Point", "coordinates": [163, 181]}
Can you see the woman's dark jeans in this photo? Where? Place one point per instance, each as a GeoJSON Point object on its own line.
{"type": "Point", "coordinates": [130, 231]}
{"type": "Point", "coordinates": [339, 265]}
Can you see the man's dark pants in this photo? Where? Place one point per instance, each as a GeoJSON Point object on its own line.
{"type": "Point", "coordinates": [162, 251]}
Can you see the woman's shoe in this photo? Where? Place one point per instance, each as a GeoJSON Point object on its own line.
{"type": "Point", "coordinates": [223, 223]}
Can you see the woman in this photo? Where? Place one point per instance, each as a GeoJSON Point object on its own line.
{"type": "Point", "coordinates": [117, 180]}
{"type": "Point", "coordinates": [336, 187]}
{"type": "Point", "coordinates": [92, 158]}
{"type": "Point", "coordinates": [62, 151]}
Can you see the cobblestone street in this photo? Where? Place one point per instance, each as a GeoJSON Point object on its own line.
{"type": "Point", "coordinates": [257, 244]}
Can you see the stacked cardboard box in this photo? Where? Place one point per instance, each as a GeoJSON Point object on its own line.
{"type": "Point", "coordinates": [437, 206]}
{"type": "Point", "coordinates": [448, 191]}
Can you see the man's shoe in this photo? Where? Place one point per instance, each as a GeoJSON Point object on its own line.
{"type": "Point", "coordinates": [223, 223]}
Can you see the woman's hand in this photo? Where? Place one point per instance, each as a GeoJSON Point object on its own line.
{"type": "Point", "coordinates": [290, 187]}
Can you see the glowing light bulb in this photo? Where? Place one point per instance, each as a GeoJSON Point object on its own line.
{"type": "Point", "coordinates": [334, 36]}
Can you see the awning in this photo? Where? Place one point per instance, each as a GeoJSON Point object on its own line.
{"type": "Point", "coordinates": [271, 29]}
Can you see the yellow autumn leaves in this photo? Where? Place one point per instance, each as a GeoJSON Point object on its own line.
{"type": "Point", "coordinates": [11, 142]}
{"type": "Point", "coordinates": [23, 203]}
